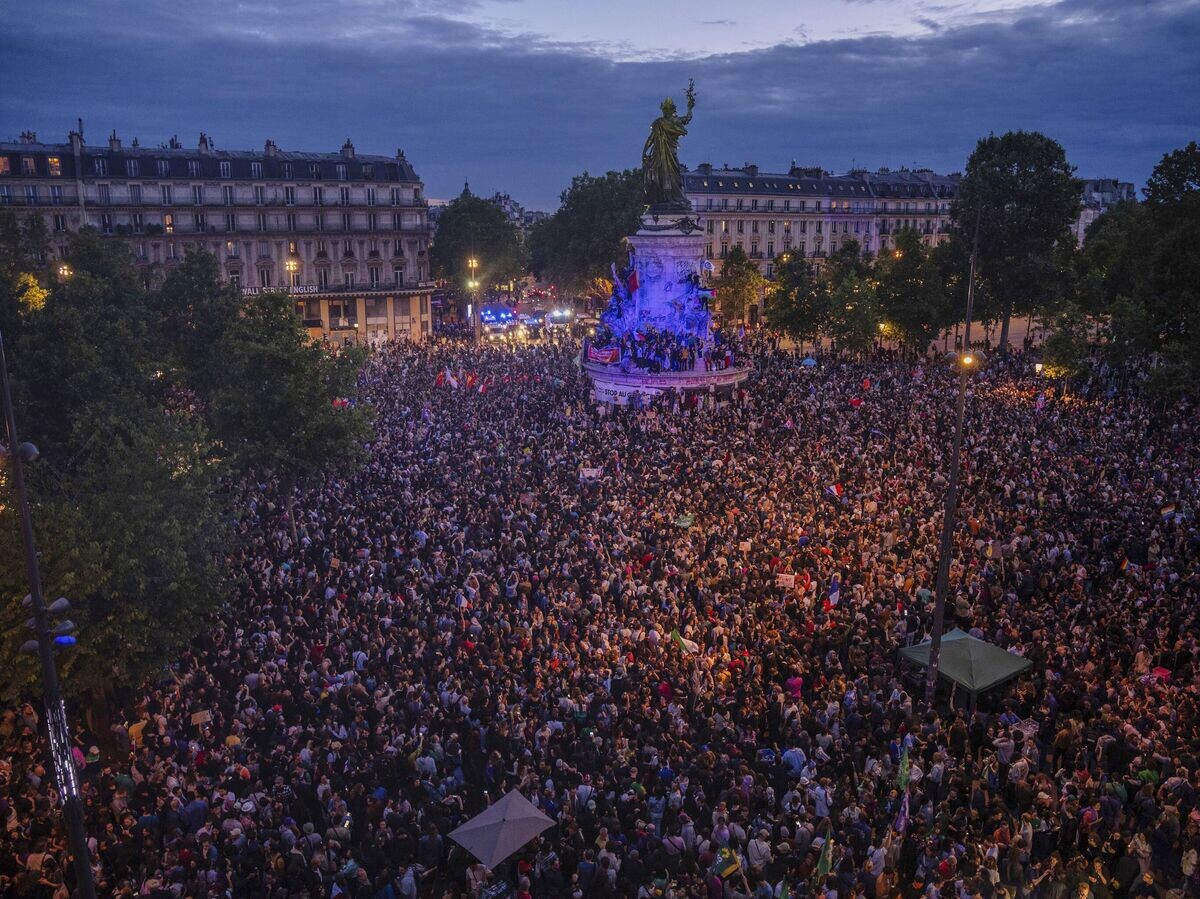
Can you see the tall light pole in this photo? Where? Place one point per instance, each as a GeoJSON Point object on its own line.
{"type": "Point", "coordinates": [473, 286]}
{"type": "Point", "coordinates": [56, 714]}
{"type": "Point", "coordinates": [966, 361]}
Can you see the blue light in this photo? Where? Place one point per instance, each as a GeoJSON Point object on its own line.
{"type": "Point", "coordinates": [64, 640]}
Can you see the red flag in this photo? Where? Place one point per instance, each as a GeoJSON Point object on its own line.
{"type": "Point", "coordinates": [632, 283]}
{"type": "Point", "coordinates": [441, 378]}
{"type": "Point", "coordinates": [856, 402]}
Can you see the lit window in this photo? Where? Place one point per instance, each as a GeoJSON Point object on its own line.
{"type": "Point", "coordinates": [5, 166]}
{"type": "Point", "coordinates": [54, 164]}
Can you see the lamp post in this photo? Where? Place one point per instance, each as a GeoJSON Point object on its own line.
{"type": "Point", "coordinates": [56, 715]}
{"type": "Point", "coordinates": [473, 286]}
{"type": "Point", "coordinates": [966, 361]}
{"type": "Point", "coordinates": [293, 266]}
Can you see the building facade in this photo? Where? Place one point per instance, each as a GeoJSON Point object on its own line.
{"type": "Point", "coordinates": [812, 212]}
{"type": "Point", "coordinates": [347, 235]}
{"type": "Point", "coordinates": [1099, 195]}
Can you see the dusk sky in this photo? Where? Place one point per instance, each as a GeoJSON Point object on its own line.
{"type": "Point", "coordinates": [519, 95]}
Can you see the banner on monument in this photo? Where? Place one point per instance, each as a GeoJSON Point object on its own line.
{"type": "Point", "coordinates": [607, 355]}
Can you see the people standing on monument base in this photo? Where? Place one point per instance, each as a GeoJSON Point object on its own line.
{"type": "Point", "coordinates": [468, 614]}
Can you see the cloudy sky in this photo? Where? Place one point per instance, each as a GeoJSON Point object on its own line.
{"type": "Point", "coordinates": [519, 95]}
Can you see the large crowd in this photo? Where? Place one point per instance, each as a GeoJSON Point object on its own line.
{"type": "Point", "coordinates": [467, 615]}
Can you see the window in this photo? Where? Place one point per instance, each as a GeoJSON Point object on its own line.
{"type": "Point", "coordinates": [397, 221]}
{"type": "Point", "coordinates": [754, 227]}
{"type": "Point", "coordinates": [106, 223]}
{"type": "Point", "coordinates": [264, 250]}
{"type": "Point", "coordinates": [260, 195]}
{"type": "Point", "coordinates": [131, 168]}
{"type": "Point", "coordinates": [319, 221]}
{"type": "Point", "coordinates": [368, 171]}
{"type": "Point", "coordinates": [230, 221]}
{"type": "Point", "coordinates": [348, 279]}
{"type": "Point", "coordinates": [372, 224]}
{"type": "Point", "coordinates": [194, 168]}
{"type": "Point", "coordinates": [99, 167]}
{"type": "Point", "coordinates": [198, 194]}
{"type": "Point", "coordinates": [164, 168]}
{"type": "Point", "coordinates": [741, 226]}
{"type": "Point", "coordinates": [344, 193]}
{"type": "Point", "coordinates": [294, 278]}
{"type": "Point", "coordinates": [31, 196]}
{"type": "Point", "coordinates": [60, 223]}
{"type": "Point", "coordinates": [370, 196]}
{"type": "Point", "coordinates": [6, 169]}
{"type": "Point", "coordinates": [754, 205]}
{"type": "Point", "coordinates": [5, 196]}
{"type": "Point", "coordinates": [373, 275]}
{"type": "Point", "coordinates": [314, 170]}
{"type": "Point", "coordinates": [289, 196]}
{"type": "Point", "coordinates": [709, 203]}
{"type": "Point", "coordinates": [235, 278]}
{"type": "Point", "coordinates": [724, 250]}
{"type": "Point", "coordinates": [105, 194]}
{"type": "Point", "coordinates": [166, 195]}
{"type": "Point", "coordinates": [56, 194]}
{"type": "Point", "coordinates": [346, 221]}
{"type": "Point", "coordinates": [708, 251]}
{"type": "Point", "coordinates": [200, 221]}
{"type": "Point", "coordinates": [287, 170]}
{"type": "Point", "coordinates": [347, 248]}
{"type": "Point", "coordinates": [803, 226]}
{"type": "Point", "coordinates": [398, 276]}
{"type": "Point", "coordinates": [135, 194]}
{"type": "Point", "coordinates": [138, 222]}
{"type": "Point", "coordinates": [227, 195]}
{"type": "Point", "coordinates": [264, 277]}
{"type": "Point", "coordinates": [28, 165]}
{"type": "Point", "coordinates": [323, 278]}
{"type": "Point", "coordinates": [169, 223]}
{"type": "Point", "coordinates": [318, 196]}
{"type": "Point", "coordinates": [709, 226]}
{"type": "Point", "coordinates": [171, 251]}
{"type": "Point", "coordinates": [256, 170]}
{"type": "Point", "coordinates": [740, 203]}
{"type": "Point", "coordinates": [54, 166]}
{"type": "Point", "coordinates": [725, 202]}
{"type": "Point", "coordinates": [231, 249]}
{"type": "Point", "coordinates": [226, 169]}
{"type": "Point", "coordinates": [291, 221]}
{"type": "Point", "coordinates": [771, 248]}
{"type": "Point", "coordinates": [395, 196]}
{"type": "Point", "coordinates": [341, 171]}
{"type": "Point", "coordinates": [262, 221]}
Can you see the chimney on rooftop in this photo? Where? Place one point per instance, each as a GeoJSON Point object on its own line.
{"type": "Point", "coordinates": [751, 169]}
{"type": "Point", "coordinates": [348, 149]}
{"type": "Point", "coordinates": [704, 168]}
{"type": "Point", "coordinates": [205, 146]}
{"type": "Point", "coordinates": [114, 142]}
{"type": "Point", "coordinates": [270, 150]}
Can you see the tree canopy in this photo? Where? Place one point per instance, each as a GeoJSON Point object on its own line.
{"type": "Point", "coordinates": [149, 406]}
{"type": "Point", "coordinates": [1021, 191]}
{"type": "Point", "coordinates": [737, 285]}
{"type": "Point", "coordinates": [585, 237]}
{"type": "Point", "coordinates": [474, 228]}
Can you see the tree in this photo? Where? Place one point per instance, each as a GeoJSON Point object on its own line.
{"type": "Point", "coordinates": [737, 286]}
{"type": "Point", "coordinates": [912, 297]}
{"type": "Point", "coordinates": [853, 312]}
{"type": "Point", "coordinates": [1021, 190]}
{"type": "Point", "coordinates": [473, 228]}
{"type": "Point", "coordinates": [1065, 352]}
{"type": "Point", "coordinates": [794, 304]}
{"type": "Point", "coordinates": [125, 490]}
{"type": "Point", "coordinates": [586, 236]}
{"type": "Point", "coordinates": [283, 403]}
{"type": "Point", "coordinates": [1139, 271]}
{"type": "Point", "coordinates": [23, 248]}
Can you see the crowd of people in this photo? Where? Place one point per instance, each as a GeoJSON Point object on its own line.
{"type": "Point", "coordinates": [662, 351]}
{"type": "Point", "coordinates": [466, 615]}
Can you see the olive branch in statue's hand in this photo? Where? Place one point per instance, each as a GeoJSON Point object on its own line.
{"type": "Point", "coordinates": [691, 93]}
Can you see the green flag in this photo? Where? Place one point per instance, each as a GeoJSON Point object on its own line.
{"type": "Point", "coordinates": [902, 774]}
{"type": "Point", "coordinates": [725, 863]}
{"type": "Point", "coordinates": [825, 862]}
{"type": "Point", "coordinates": [784, 891]}
{"type": "Point", "coordinates": [686, 645]}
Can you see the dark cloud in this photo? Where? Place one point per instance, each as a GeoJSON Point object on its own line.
{"type": "Point", "coordinates": [1114, 82]}
{"type": "Point", "coordinates": [718, 22]}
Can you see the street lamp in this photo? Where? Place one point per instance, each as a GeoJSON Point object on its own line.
{"type": "Point", "coordinates": [64, 271]}
{"type": "Point", "coordinates": [293, 266]}
{"type": "Point", "coordinates": [1037, 367]}
{"type": "Point", "coordinates": [56, 714]}
{"type": "Point", "coordinates": [966, 361]}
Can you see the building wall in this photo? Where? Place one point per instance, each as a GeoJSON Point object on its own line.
{"type": "Point", "coordinates": [348, 235]}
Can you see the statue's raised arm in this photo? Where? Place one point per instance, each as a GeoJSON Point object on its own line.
{"type": "Point", "coordinates": [661, 172]}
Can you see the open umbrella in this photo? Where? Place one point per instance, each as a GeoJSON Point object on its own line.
{"type": "Point", "coordinates": [501, 829]}
{"type": "Point", "coordinates": [809, 362]}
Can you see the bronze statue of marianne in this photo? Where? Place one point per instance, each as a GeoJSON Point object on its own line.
{"type": "Point", "coordinates": [660, 157]}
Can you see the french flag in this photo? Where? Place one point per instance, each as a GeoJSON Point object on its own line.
{"type": "Point", "coordinates": [835, 589]}
{"type": "Point", "coordinates": [834, 490]}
